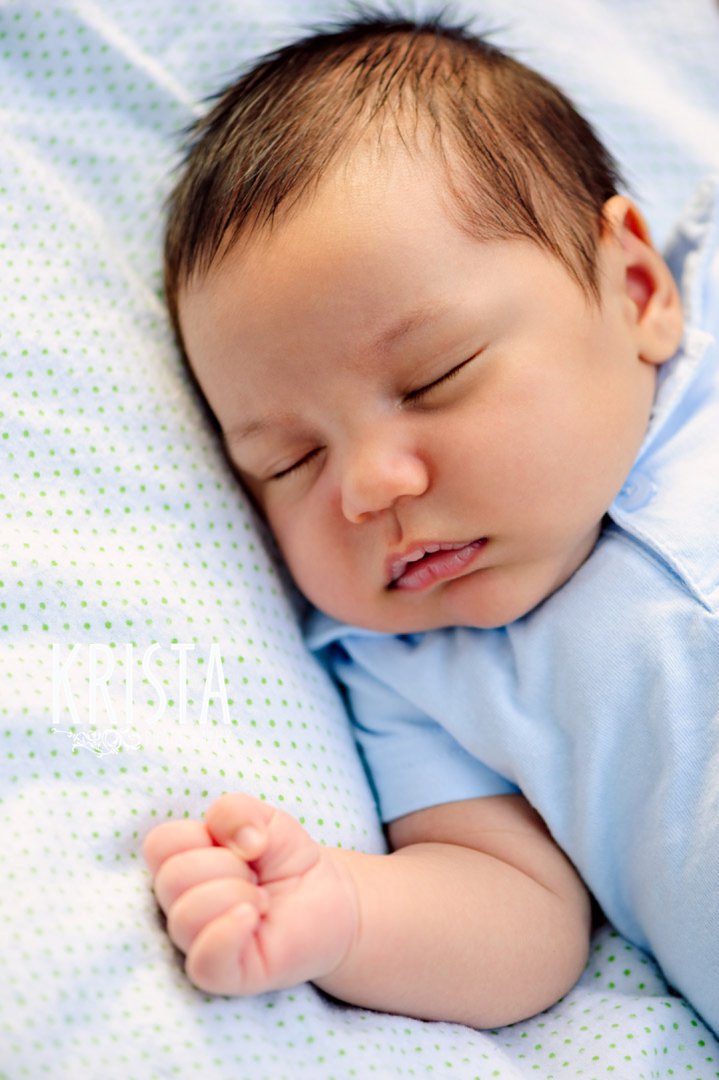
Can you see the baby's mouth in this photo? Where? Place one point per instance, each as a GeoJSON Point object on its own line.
{"type": "Point", "coordinates": [426, 564]}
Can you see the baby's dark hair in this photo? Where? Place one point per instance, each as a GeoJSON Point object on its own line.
{"type": "Point", "coordinates": [520, 161]}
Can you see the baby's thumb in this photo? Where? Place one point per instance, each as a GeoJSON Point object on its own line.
{"type": "Point", "coordinates": [240, 823]}
{"type": "Point", "coordinates": [271, 840]}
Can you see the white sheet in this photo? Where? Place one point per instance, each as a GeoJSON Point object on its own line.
{"type": "Point", "coordinates": [122, 527]}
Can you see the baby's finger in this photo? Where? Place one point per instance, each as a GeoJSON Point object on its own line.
{"type": "Point", "coordinates": [181, 872]}
{"type": "Point", "coordinates": [200, 905]}
{"type": "Point", "coordinates": [240, 822]}
{"type": "Point", "coordinates": [214, 960]}
{"type": "Point", "coordinates": [172, 837]}
{"type": "Point", "coordinates": [272, 840]}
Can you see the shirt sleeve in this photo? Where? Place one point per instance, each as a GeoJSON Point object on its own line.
{"type": "Point", "coordinates": [411, 760]}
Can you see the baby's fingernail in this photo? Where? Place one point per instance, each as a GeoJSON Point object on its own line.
{"type": "Point", "coordinates": [244, 911]}
{"type": "Point", "coordinates": [248, 841]}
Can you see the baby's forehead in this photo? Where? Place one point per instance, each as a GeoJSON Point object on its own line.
{"type": "Point", "coordinates": [381, 194]}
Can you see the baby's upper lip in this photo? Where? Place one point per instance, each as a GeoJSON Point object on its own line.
{"type": "Point", "coordinates": [397, 563]}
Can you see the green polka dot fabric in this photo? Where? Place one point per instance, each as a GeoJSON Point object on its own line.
{"type": "Point", "coordinates": [150, 657]}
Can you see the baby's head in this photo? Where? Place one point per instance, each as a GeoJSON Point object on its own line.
{"type": "Point", "coordinates": [425, 321]}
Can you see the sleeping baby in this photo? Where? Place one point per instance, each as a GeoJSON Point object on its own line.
{"type": "Point", "coordinates": [453, 374]}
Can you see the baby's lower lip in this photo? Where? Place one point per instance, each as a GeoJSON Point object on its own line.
{"type": "Point", "coordinates": [438, 566]}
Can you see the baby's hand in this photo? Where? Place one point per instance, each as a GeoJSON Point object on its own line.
{"type": "Point", "coordinates": [251, 899]}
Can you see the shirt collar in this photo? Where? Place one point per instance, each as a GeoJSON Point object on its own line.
{"type": "Point", "coordinates": [688, 253]}
{"type": "Point", "coordinates": [673, 381]}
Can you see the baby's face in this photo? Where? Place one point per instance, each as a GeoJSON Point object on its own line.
{"type": "Point", "coordinates": [434, 426]}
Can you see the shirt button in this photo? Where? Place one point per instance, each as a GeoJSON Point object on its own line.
{"type": "Point", "coordinates": [636, 493]}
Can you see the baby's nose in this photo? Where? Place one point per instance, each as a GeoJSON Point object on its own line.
{"type": "Point", "coordinates": [377, 476]}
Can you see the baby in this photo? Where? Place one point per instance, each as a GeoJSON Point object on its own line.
{"type": "Point", "coordinates": [451, 370]}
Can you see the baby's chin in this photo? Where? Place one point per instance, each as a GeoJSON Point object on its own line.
{"type": "Point", "coordinates": [400, 623]}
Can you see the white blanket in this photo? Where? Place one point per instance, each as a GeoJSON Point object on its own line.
{"type": "Point", "coordinates": [123, 535]}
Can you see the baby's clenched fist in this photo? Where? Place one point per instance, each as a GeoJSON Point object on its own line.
{"type": "Point", "coordinates": [250, 898]}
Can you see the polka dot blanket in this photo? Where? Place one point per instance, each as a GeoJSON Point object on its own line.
{"type": "Point", "coordinates": [150, 657]}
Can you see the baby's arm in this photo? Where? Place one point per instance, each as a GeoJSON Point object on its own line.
{"type": "Point", "coordinates": [476, 917]}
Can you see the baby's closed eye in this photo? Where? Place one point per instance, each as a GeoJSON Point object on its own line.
{"type": "Point", "coordinates": [422, 391]}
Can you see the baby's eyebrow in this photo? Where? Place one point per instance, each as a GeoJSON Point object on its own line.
{"type": "Point", "coordinates": [406, 324]}
{"type": "Point", "coordinates": [252, 428]}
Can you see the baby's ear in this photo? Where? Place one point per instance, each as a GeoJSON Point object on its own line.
{"type": "Point", "coordinates": [653, 299]}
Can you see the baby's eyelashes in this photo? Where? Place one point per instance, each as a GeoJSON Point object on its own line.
{"type": "Point", "coordinates": [420, 392]}
{"type": "Point", "coordinates": [297, 465]}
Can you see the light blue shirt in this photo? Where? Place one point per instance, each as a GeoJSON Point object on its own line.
{"type": "Point", "coordinates": [602, 704]}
